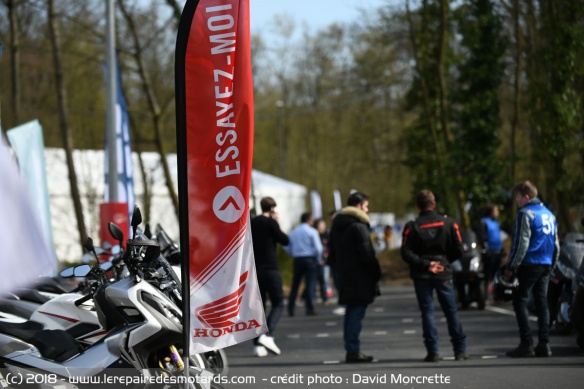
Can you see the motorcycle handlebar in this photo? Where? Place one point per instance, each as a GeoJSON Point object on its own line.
{"type": "Point", "coordinates": [83, 299]}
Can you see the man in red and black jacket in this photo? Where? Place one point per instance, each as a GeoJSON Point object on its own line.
{"type": "Point", "coordinates": [430, 243]}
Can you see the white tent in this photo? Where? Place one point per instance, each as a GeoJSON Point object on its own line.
{"type": "Point", "coordinates": [89, 166]}
{"type": "Point", "coordinates": [289, 196]}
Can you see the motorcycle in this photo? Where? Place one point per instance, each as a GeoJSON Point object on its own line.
{"type": "Point", "coordinates": [578, 303]}
{"type": "Point", "coordinates": [468, 273]}
{"type": "Point", "coordinates": [142, 319]}
{"type": "Point", "coordinates": [19, 305]}
{"type": "Point", "coordinates": [561, 284]}
{"type": "Point", "coordinates": [215, 360]}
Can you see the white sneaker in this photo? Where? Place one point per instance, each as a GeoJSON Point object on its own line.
{"type": "Point", "coordinates": [269, 343]}
{"type": "Point", "coordinates": [260, 351]}
{"type": "Point", "coordinates": [340, 311]}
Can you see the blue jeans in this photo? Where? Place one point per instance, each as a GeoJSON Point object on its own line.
{"type": "Point", "coordinates": [270, 284]}
{"type": "Point", "coordinates": [532, 278]}
{"type": "Point", "coordinates": [445, 292]}
{"type": "Point", "coordinates": [303, 267]}
{"type": "Point", "coordinates": [354, 315]}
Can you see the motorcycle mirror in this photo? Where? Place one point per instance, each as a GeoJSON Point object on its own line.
{"type": "Point", "coordinates": [136, 220]}
{"type": "Point", "coordinates": [88, 244]}
{"type": "Point", "coordinates": [106, 266]}
{"type": "Point", "coordinates": [67, 272]}
{"type": "Point", "coordinates": [81, 270]}
{"type": "Point", "coordinates": [116, 233]}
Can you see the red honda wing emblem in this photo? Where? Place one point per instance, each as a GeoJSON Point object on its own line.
{"type": "Point", "coordinates": [218, 313]}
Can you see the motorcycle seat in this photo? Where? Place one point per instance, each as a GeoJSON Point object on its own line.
{"type": "Point", "coordinates": [20, 330]}
{"type": "Point", "coordinates": [21, 308]}
{"type": "Point", "coordinates": [56, 345]}
{"type": "Point", "coordinates": [32, 295]}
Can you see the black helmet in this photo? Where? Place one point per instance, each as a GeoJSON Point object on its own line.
{"type": "Point", "coordinates": [503, 289]}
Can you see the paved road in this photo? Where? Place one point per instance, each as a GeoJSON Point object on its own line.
{"type": "Point", "coordinates": [313, 356]}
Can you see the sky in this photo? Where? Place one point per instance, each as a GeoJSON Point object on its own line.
{"type": "Point", "coordinates": [316, 14]}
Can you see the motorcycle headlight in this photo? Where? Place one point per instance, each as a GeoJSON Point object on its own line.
{"type": "Point", "coordinates": [475, 263]}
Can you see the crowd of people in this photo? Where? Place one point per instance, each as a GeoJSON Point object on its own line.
{"type": "Point", "coordinates": [430, 244]}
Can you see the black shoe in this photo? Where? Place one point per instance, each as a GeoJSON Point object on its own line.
{"type": "Point", "coordinates": [460, 356]}
{"type": "Point", "coordinates": [522, 351]}
{"type": "Point", "coordinates": [358, 358]}
{"type": "Point", "coordinates": [542, 350]}
{"type": "Point", "coordinates": [313, 313]}
{"type": "Point", "coordinates": [432, 358]}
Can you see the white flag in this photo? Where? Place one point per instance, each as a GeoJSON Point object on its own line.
{"type": "Point", "coordinates": [25, 250]}
{"type": "Point", "coordinates": [316, 204]}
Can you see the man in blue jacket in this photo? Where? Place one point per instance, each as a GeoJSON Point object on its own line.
{"type": "Point", "coordinates": [534, 252]}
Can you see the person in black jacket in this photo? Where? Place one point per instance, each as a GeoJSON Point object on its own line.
{"type": "Point", "coordinates": [266, 234]}
{"type": "Point", "coordinates": [353, 259]}
{"type": "Point", "coordinates": [430, 243]}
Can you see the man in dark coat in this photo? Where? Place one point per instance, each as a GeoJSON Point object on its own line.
{"type": "Point", "coordinates": [430, 243]}
{"type": "Point", "coordinates": [353, 259]}
{"type": "Point", "coordinates": [266, 234]}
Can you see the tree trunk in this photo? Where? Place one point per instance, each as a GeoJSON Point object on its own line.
{"type": "Point", "coordinates": [14, 61]}
{"type": "Point", "coordinates": [459, 194]}
{"type": "Point", "coordinates": [146, 206]}
{"type": "Point", "coordinates": [516, 86]}
{"type": "Point", "coordinates": [63, 116]}
{"type": "Point", "coordinates": [425, 94]}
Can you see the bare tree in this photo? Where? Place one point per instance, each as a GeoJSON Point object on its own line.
{"type": "Point", "coordinates": [154, 106]}
{"type": "Point", "coordinates": [63, 116]}
{"type": "Point", "coordinates": [175, 10]}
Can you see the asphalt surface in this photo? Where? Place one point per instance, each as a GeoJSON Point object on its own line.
{"type": "Point", "coordinates": [313, 354]}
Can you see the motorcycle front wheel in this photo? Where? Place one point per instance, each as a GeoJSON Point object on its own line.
{"type": "Point", "coordinates": [216, 362]}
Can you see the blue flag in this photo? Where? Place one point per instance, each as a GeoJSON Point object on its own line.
{"type": "Point", "coordinates": [125, 175]}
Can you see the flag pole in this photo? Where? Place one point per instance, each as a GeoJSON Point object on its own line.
{"type": "Point", "coordinates": [111, 91]}
{"type": "Point", "coordinates": [180, 93]}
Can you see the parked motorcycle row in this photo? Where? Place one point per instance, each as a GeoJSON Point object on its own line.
{"type": "Point", "coordinates": [124, 320]}
{"type": "Point", "coordinates": [565, 289]}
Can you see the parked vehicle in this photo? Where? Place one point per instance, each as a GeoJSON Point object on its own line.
{"type": "Point", "coordinates": [215, 360]}
{"type": "Point", "coordinates": [578, 303]}
{"type": "Point", "coordinates": [468, 273]}
{"type": "Point", "coordinates": [140, 316]}
{"type": "Point", "coordinates": [561, 285]}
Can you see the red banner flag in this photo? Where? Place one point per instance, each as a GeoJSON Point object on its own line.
{"type": "Point", "coordinates": [214, 103]}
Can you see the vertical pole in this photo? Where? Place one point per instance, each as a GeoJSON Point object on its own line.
{"type": "Point", "coordinates": [281, 139]}
{"type": "Point", "coordinates": [111, 94]}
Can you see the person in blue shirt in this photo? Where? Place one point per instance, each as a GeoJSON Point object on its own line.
{"type": "Point", "coordinates": [306, 248]}
{"type": "Point", "coordinates": [489, 233]}
{"type": "Point", "coordinates": [534, 253]}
